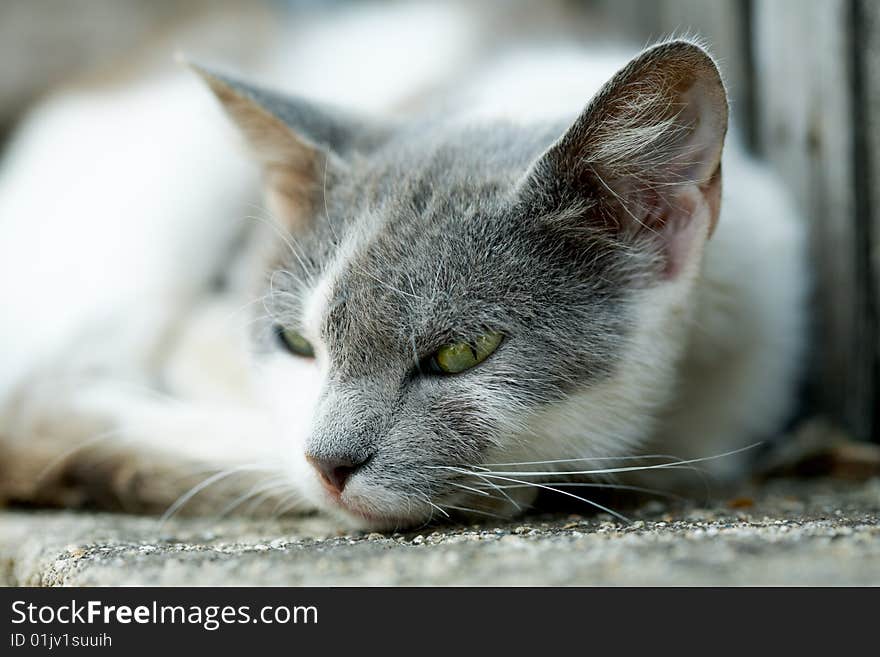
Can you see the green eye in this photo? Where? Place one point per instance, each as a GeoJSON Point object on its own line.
{"type": "Point", "coordinates": [461, 356]}
{"type": "Point", "coordinates": [295, 343]}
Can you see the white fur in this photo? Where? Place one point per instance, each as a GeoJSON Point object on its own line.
{"type": "Point", "coordinates": [93, 199]}
{"type": "Point", "coordinates": [291, 388]}
{"type": "Point", "coordinates": [744, 357]}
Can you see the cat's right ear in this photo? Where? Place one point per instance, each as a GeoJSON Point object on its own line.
{"type": "Point", "coordinates": [294, 140]}
{"type": "Point", "coordinates": [645, 155]}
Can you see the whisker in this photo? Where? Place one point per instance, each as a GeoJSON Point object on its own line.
{"type": "Point", "coordinates": [586, 458]}
{"type": "Point", "coordinates": [436, 507]}
{"type": "Point", "coordinates": [470, 510]}
{"type": "Point", "coordinates": [502, 491]}
{"type": "Point", "coordinates": [336, 241]}
{"type": "Point", "coordinates": [563, 492]}
{"type": "Point", "coordinates": [388, 286]}
{"type": "Point", "coordinates": [581, 484]}
{"type": "Point", "coordinates": [285, 504]}
{"type": "Point", "coordinates": [423, 496]}
{"type": "Point", "coordinates": [268, 493]}
{"type": "Point", "coordinates": [79, 447]}
{"type": "Point", "coordinates": [565, 473]}
{"type": "Point", "coordinates": [473, 490]}
{"type": "Point", "coordinates": [233, 313]}
{"type": "Point", "coordinates": [255, 491]}
{"type": "Point", "coordinates": [288, 241]}
{"type": "Point", "coordinates": [210, 481]}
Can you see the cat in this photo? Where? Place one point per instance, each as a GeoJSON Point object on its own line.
{"type": "Point", "coordinates": [454, 299]}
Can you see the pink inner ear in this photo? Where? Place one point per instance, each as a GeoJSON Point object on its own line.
{"type": "Point", "coordinates": [679, 234]}
{"type": "Point", "coordinates": [669, 190]}
{"type": "Point", "coordinates": [683, 221]}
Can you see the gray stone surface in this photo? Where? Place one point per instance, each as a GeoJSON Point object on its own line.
{"type": "Point", "coordinates": [786, 532]}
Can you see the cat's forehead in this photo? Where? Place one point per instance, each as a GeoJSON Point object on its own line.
{"type": "Point", "coordinates": [428, 240]}
{"type": "Point", "coordinates": [452, 272]}
{"type": "Point", "coordinates": [448, 161]}
{"type": "Point", "coordinates": [418, 272]}
{"type": "Point", "coordinates": [416, 220]}
{"type": "Point", "coordinates": [429, 206]}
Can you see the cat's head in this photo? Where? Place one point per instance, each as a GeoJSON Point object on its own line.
{"type": "Point", "coordinates": [446, 298]}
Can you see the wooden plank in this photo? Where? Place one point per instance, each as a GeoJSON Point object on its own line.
{"type": "Point", "coordinates": [804, 75]}
{"type": "Point", "coordinates": [867, 25]}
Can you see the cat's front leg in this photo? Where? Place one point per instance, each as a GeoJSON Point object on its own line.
{"type": "Point", "coordinates": [111, 445]}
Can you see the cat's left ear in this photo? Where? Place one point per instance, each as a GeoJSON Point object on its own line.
{"type": "Point", "coordinates": [643, 160]}
{"type": "Point", "coordinates": [294, 140]}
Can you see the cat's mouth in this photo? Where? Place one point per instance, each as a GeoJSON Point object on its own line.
{"type": "Point", "coordinates": [375, 509]}
{"type": "Point", "coordinates": [369, 504]}
{"type": "Point", "coordinates": [368, 511]}
{"type": "Point", "coordinates": [375, 518]}
{"type": "Point", "coordinates": [453, 507]}
{"type": "Point", "coordinates": [370, 517]}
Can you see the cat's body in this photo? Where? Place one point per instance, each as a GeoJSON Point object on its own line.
{"type": "Point", "coordinates": [132, 354]}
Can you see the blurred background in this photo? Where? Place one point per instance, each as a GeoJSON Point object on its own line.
{"type": "Point", "coordinates": [804, 77]}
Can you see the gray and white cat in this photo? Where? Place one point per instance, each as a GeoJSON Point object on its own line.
{"type": "Point", "coordinates": [444, 308]}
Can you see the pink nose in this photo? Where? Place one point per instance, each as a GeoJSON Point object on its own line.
{"type": "Point", "coordinates": [335, 472]}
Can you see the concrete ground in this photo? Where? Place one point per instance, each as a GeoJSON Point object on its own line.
{"type": "Point", "coordinates": [785, 532]}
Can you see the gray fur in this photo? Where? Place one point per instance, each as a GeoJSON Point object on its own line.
{"type": "Point", "coordinates": [450, 230]}
{"type": "Point", "coordinates": [447, 250]}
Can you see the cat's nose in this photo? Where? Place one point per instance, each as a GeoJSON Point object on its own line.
{"type": "Point", "coordinates": [336, 471]}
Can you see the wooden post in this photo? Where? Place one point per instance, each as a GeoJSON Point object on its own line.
{"type": "Point", "coordinates": [806, 77]}
{"type": "Point", "coordinates": [867, 42]}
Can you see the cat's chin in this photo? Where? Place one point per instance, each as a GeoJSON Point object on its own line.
{"type": "Point", "coordinates": [359, 516]}
{"type": "Point", "coordinates": [359, 513]}
{"type": "Point", "coordinates": [361, 519]}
